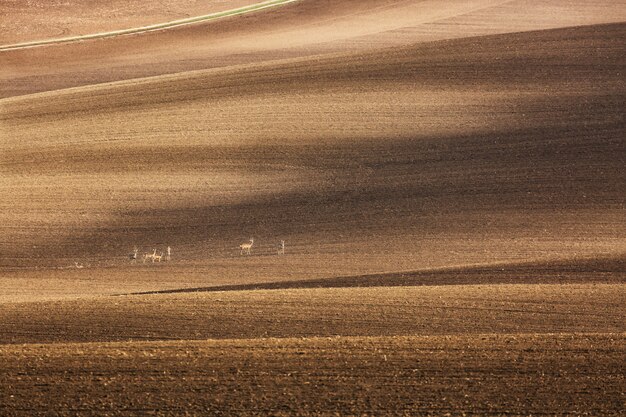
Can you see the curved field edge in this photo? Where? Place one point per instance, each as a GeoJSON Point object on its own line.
{"type": "Point", "coordinates": [306, 28]}
{"type": "Point", "coordinates": [567, 271]}
{"type": "Point", "coordinates": [482, 374]}
{"type": "Point", "coordinates": [149, 28]}
{"type": "Point", "coordinates": [374, 311]}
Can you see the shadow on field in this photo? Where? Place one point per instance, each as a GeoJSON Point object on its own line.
{"type": "Point", "coordinates": [542, 149]}
{"type": "Point", "coordinates": [596, 270]}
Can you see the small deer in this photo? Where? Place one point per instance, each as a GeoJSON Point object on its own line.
{"type": "Point", "coordinates": [280, 249]}
{"type": "Point", "coordinates": [152, 256]}
{"type": "Point", "coordinates": [246, 247]}
{"type": "Point", "coordinates": [133, 256]}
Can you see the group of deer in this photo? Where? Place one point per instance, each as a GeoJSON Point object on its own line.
{"type": "Point", "coordinates": [246, 248]}
{"type": "Point", "coordinates": [153, 257]}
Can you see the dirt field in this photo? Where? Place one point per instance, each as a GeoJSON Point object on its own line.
{"type": "Point", "coordinates": [448, 178]}
{"type": "Point", "coordinates": [452, 153]}
{"type": "Point", "coordinates": [541, 374]}
{"type": "Point", "coordinates": [379, 311]}
{"type": "Point", "coordinates": [307, 28]}
{"type": "Point", "coordinates": [42, 19]}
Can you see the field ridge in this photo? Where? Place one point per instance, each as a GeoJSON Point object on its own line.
{"type": "Point", "coordinates": [598, 270]}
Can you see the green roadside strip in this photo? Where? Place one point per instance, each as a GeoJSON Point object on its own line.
{"type": "Point", "coordinates": [158, 26]}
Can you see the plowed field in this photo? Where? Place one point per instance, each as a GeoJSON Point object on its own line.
{"type": "Point", "coordinates": [447, 177]}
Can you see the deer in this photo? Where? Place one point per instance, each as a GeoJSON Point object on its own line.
{"type": "Point", "coordinates": [246, 247]}
{"type": "Point", "coordinates": [152, 256]}
{"type": "Point", "coordinates": [280, 250]}
{"type": "Point", "coordinates": [133, 256]}
{"type": "Point", "coordinates": [168, 257]}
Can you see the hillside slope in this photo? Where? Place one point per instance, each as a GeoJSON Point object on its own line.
{"type": "Point", "coordinates": [300, 29]}
{"type": "Point", "coordinates": [456, 152]}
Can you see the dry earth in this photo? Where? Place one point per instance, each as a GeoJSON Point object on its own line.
{"type": "Point", "coordinates": [378, 311]}
{"type": "Point", "coordinates": [448, 177]}
{"type": "Point", "coordinates": [306, 28]}
{"type": "Point", "coordinates": [439, 154]}
{"type": "Point", "coordinates": [567, 374]}
{"type": "Point", "coordinates": [40, 19]}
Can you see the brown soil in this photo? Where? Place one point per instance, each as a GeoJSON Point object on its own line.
{"type": "Point", "coordinates": [444, 154]}
{"type": "Point", "coordinates": [596, 270]}
{"type": "Point", "coordinates": [43, 19]}
{"type": "Point", "coordinates": [380, 311]}
{"type": "Point", "coordinates": [448, 177]}
{"type": "Point", "coordinates": [302, 29]}
{"type": "Point", "coordinates": [568, 374]}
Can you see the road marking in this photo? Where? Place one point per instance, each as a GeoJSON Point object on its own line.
{"type": "Point", "coordinates": [159, 26]}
